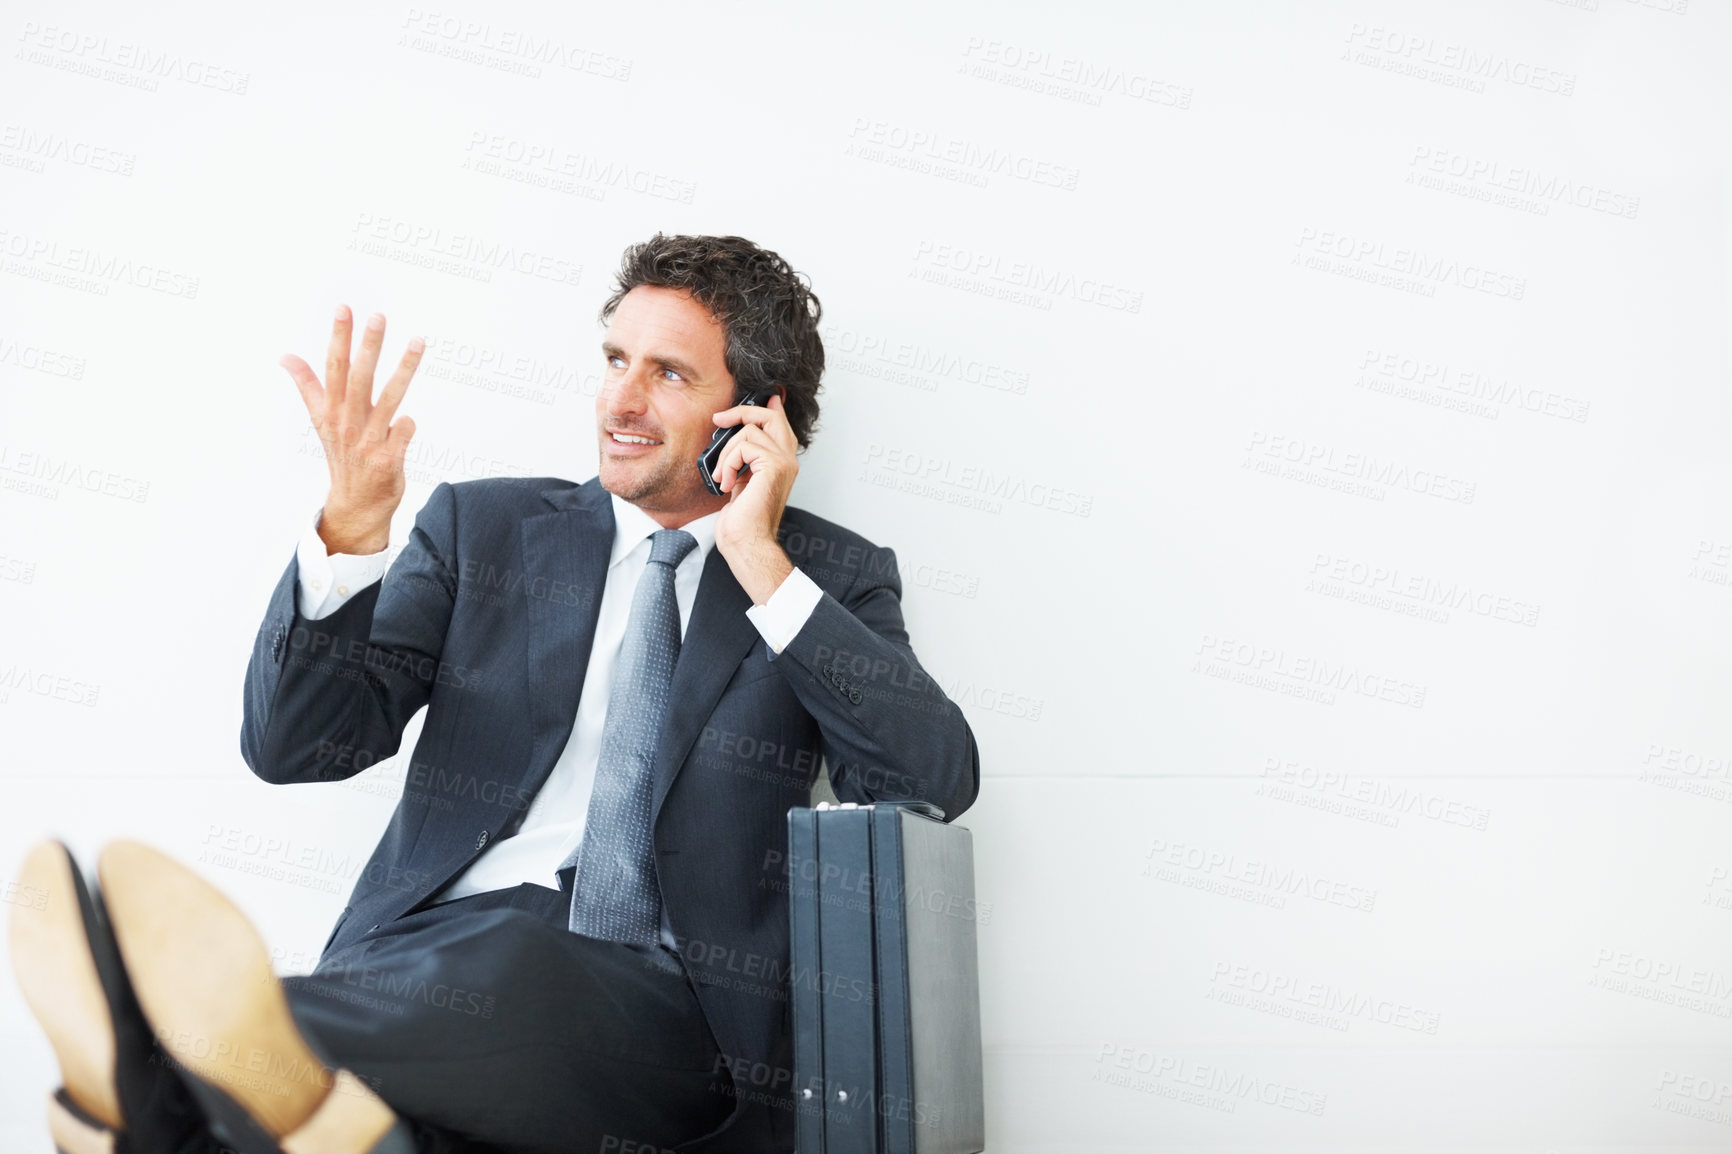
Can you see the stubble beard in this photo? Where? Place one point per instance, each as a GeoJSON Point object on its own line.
{"type": "Point", "coordinates": [659, 489]}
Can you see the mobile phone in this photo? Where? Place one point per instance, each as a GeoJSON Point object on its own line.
{"type": "Point", "coordinates": [710, 457]}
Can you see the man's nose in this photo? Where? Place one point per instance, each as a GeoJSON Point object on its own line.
{"type": "Point", "coordinates": [626, 393]}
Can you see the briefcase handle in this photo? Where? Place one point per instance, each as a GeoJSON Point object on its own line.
{"type": "Point", "coordinates": [923, 808]}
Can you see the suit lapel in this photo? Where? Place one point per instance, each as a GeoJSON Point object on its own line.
{"type": "Point", "coordinates": [717, 639]}
{"type": "Point", "coordinates": [565, 555]}
{"type": "Point", "coordinates": [571, 545]}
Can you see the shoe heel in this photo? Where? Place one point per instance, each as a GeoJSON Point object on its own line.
{"type": "Point", "coordinates": [76, 1132]}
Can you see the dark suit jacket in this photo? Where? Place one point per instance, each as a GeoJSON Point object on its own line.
{"type": "Point", "coordinates": [487, 618]}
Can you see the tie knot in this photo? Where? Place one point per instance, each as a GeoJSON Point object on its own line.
{"type": "Point", "coordinates": [670, 546]}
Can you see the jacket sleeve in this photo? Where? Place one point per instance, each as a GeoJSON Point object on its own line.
{"type": "Point", "coordinates": [326, 698]}
{"type": "Point", "coordinates": [889, 731]}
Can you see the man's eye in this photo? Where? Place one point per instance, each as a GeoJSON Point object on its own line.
{"type": "Point", "coordinates": [616, 361]}
{"type": "Point", "coordinates": [675, 375]}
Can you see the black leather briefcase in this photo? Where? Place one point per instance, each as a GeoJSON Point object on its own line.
{"type": "Point", "coordinates": [885, 981]}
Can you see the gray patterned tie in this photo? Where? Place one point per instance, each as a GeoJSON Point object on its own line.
{"type": "Point", "coordinates": [614, 894]}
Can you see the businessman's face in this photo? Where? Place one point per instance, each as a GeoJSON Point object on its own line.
{"type": "Point", "coordinates": [664, 379]}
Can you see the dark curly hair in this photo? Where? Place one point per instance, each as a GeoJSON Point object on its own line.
{"type": "Point", "coordinates": [768, 312]}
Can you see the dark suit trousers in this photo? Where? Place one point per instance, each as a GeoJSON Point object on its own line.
{"type": "Point", "coordinates": [495, 1028]}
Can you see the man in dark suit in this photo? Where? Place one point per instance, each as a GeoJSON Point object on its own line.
{"type": "Point", "coordinates": [564, 941]}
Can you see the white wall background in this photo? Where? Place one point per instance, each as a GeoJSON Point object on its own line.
{"type": "Point", "coordinates": [1304, 428]}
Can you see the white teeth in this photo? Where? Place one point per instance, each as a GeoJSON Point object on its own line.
{"type": "Point", "coordinates": [630, 440]}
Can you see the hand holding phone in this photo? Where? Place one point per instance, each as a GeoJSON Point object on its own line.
{"type": "Point", "coordinates": [712, 456]}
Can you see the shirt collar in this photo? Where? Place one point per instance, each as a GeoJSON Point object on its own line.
{"type": "Point", "coordinates": [631, 525]}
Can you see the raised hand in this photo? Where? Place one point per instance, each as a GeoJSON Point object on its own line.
{"type": "Point", "coordinates": [363, 447]}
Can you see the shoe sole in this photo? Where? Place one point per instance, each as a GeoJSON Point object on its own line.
{"type": "Point", "coordinates": [203, 976]}
{"type": "Point", "coordinates": [55, 971]}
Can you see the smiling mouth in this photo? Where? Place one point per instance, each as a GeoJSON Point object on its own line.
{"type": "Point", "coordinates": [631, 439]}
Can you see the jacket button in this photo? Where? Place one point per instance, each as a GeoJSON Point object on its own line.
{"type": "Point", "coordinates": [482, 840]}
{"type": "Point", "coordinates": [854, 696]}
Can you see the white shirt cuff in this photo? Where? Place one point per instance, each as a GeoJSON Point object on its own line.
{"type": "Point", "coordinates": [780, 618]}
{"type": "Point", "coordinates": [329, 579]}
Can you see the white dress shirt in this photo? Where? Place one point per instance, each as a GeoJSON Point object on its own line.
{"type": "Point", "coordinates": [553, 826]}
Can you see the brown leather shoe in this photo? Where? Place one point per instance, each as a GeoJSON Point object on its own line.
{"type": "Point", "coordinates": [204, 978]}
{"type": "Point", "coordinates": [119, 1094]}
{"type": "Point", "coordinates": [52, 963]}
